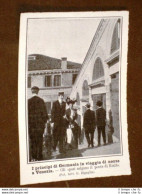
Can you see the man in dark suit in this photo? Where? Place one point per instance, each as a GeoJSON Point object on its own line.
{"type": "Point", "coordinates": [59, 122]}
{"type": "Point", "coordinates": [101, 122]}
{"type": "Point", "coordinates": [37, 118]}
{"type": "Point", "coordinates": [89, 124]}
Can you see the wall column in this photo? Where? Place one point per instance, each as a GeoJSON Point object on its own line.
{"type": "Point", "coordinates": [108, 99]}
{"type": "Point", "coordinates": [90, 98]}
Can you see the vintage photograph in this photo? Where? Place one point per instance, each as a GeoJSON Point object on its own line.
{"type": "Point", "coordinates": [72, 95]}
{"type": "Point", "coordinates": [73, 75]}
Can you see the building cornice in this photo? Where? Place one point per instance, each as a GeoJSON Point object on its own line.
{"type": "Point", "coordinates": [97, 84]}
{"type": "Point", "coordinates": [54, 71]}
{"type": "Point", "coordinates": [56, 87]}
{"type": "Point", "coordinates": [113, 58]}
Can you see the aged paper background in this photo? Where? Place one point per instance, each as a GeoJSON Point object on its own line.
{"type": "Point", "coordinates": [28, 172]}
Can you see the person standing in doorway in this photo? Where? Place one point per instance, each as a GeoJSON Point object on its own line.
{"type": "Point", "coordinates": [89, 124]}
{"type": "Point", "coordinates": [101, 122]}
{"type": "Point", "coordinates": [37, 118]}
{"type": "Point", "coordinates": [59, 122]}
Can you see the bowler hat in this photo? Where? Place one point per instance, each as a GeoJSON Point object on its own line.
{"type": "Point", "coordinates": [60, 93]}
{"type": "Point", "coordinates": [99, 103]}
{"type": "Point", "coordinates": [88, 105]}
{"type": "Point", "coordinates": [35, 88]}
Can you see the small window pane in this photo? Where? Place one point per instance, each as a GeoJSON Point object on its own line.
{"type": "Point", "coordinates": [74, 76]}
{"type": "Point", "coordinates": [48, 81]}
{"type": "Point", "coordinates": [57, 80]}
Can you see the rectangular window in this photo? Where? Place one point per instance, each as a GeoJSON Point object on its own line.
{"type": "Point", "coordinates": [57, 80]}
{"type": "Point", "coordinates": [48, 81]}
{"type": "Point", "coordinates": [74, 76]}
{"type": "Point", "coordinates": [29, 82]}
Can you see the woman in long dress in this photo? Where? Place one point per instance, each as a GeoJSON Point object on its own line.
{"type": "Point", "coordinates": [72, 130]}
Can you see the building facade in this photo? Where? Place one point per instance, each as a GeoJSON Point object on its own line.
{"type": "Point", "coordinates": [51, 76]}
{"type": "Point", "coordinates": [98, 78]}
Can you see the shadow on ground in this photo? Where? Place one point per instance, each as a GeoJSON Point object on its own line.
{"type": "Point", "coordinates": [72, 154]}
{"type": "Point", "coordinates": [83, 151]}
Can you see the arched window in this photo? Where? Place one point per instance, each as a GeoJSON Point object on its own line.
{"type": "Point", "coordinates": [98, 70]}
{"type": "Point", "coordinates": [115, 43]}
{"type": "Point", "coordinates": [85, 89]}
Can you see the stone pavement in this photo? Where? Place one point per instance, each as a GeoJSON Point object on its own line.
{"type": "Point", "coordinates": [84, 151]}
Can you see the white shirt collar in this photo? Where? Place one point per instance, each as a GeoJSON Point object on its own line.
{"type": "Point", "coordinates": [34, 95]}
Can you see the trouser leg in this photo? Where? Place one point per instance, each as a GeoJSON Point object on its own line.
{"type": "Point", "coordinates": [99, 134]}
{"type": "Point", "coordinates": [75, 136]}
{"type": "Point", "coordinates": [39, 144]}
{"type": "Point", "coordinates": [55, 138]}
{"type": "Point", "coordinates": [32, 148]}
{"type": "Point", "coordinates": [87, 136]}
{"type": "Point", "coordinates": [64, 137]}
{"type": "Point", "coordinates": [76, 139]}
{"type": "Point", "coordinates": [61, 143]}
{"type": "Point", "coordinates": [104, 134]}
{"type": "Point", "coordinates": [33, 142]}
{"type": "Point", "coordinates": [92, 138]}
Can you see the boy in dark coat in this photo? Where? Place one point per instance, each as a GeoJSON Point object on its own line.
{"type": "Point", "coordinates": [89, 125]}
{"type": "Point", "coordinates": [101, 122]}
{"type": "Point", "coordinates": [37, 118]}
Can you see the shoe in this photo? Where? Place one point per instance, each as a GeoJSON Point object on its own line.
{"type": "Point", "coordinates": [62, 151]}
{"type": "Point", "coordinates": [104, 144]}
{"type": "Point", "coordinates": [92, 145]}
{"type": "Point", "coordinates": [54, 149]}
{"type": "Point", "coordinates": [88, 145]}
{"type": "Point", "coordinates": [99, 145]}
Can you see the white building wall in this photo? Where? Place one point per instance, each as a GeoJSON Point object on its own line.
{"type": "Point", "coordinates": [100, 47]}
{"type": "Point", "coordinates": [37, 80]}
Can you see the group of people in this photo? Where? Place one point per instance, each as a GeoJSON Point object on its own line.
{"type": "Point", "coordinates": [63, 124]}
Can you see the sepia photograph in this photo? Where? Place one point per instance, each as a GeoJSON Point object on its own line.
{"type": "Point", "coordinates": [72, 92]}
{"type": "Point", "coordinates": [73, 88]}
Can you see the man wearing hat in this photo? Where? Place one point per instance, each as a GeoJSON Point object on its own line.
{"type": "Point", "coordinates": [89, 124]}
{"type": "Point", "coordinates": [37, 118]}
{"type": "Point", "coordinates": [57, 118]}
{"type": "Point", "coordinates": [101, 122]}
